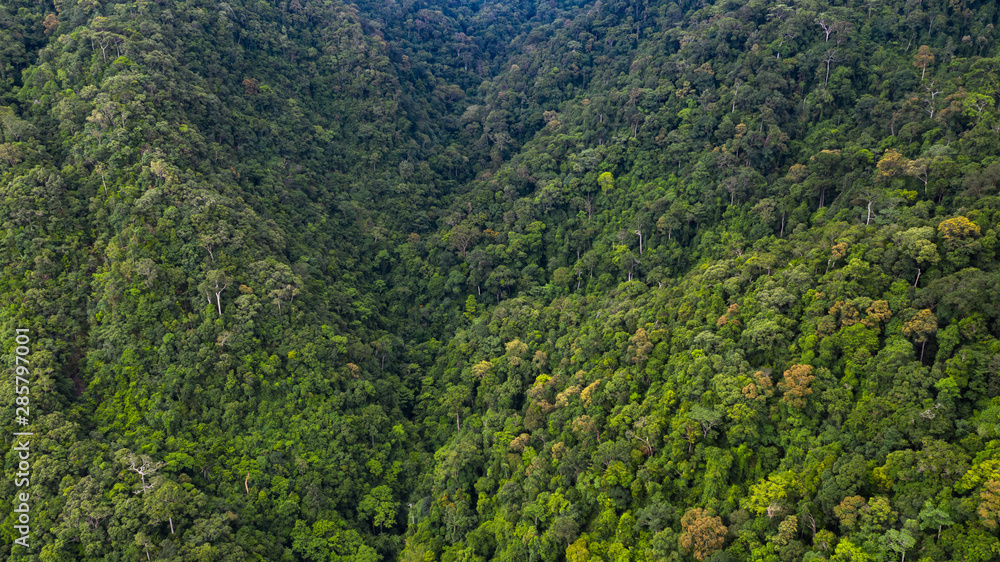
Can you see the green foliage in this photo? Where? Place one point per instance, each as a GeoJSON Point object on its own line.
{"type": "Point", "coordinates": [514, 281]}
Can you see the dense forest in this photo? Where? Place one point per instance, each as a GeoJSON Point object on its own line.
{"type": "Point", "coordinates": [518, 280]}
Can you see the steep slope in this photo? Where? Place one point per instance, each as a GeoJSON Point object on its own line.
{"type": "Point", "coordinates": [186, 189]}
{"type": "Point", "coordinates": [735, 298]}
{"type": "Point", "coordinates": [513, 281]}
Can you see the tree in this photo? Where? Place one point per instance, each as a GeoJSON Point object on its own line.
{"type": "Point", "coordinates": [827, 28]}
{"type": "Point", "coordinates": [283, 293]}
{"type": "Point", "coordinates": [378, 505]}
{"type": "Point", "coordinates": [891, 164]}
{"type": "Point", "coordinates": [795, 385]}
{"type": "Point", "coordinates": [165, 501]}
{"type": "Point", "coordinates": [787, 530]}
{"type": "Point", "coordinates": [930, 96]}
{"type": "Point", "coordinates": [900, 541]}
{"type": "Point", "coordinates": [849, 511]}
{"type": "Point", "coordinates": [829, 58]}
{"type": "Point", "coordinates": [141, 465]}
{"type": "Point", "coordinates": [989, 503]}
{"type": "Point", "coordinates": [461, 236]}
{"type": "Point", "coordinates": [331, 540]}
{"type": "Point", "coordinates": [705, 417]}
{"type": "Point", "coordinates": [13, 126]}
{"type": "Point", "coordinates": [11, 154]}
{"type": "Point", "coordinates": [878, 313]}
{"type": "Point", "coordinates": [701, 533]}
{"type": "Point", "coordinates": [957, 228]}
{"type": "Point", "coordinates": [921, 326]}
{"type": "Point", "coordinates": [280, 284]}
{"type": "Point", "coordinates": [606, 181]}
{"type": "Point", "coordinates": [625, 258]}
{"type": "Point", "coordinates": [217, 280]}
{"type": "Point", "coordinates": [143, 540]}
{"type": "Point", "coordinates": [917, 242]}
{"type": "Point", "coordinates": [919, 169]}
{"type": "Point", "coordinates": [640, 346]}
{"type": "Point", "coordinates": [51, 23]}
{"type": "Point", "coordinates": [922, 59]}
{"type": "Point", "coordinates": [501, 279]}
{"type": "Point", "coordinates": [934, 518]}
{"type": "Point", "coordinates": [869, 195]}
{"type": "Point", "coordinates": [453, 400]}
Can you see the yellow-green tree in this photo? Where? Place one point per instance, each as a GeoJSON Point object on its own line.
{"type": "Point", "coordinates": [921, 327]}
{"type": "Point", "coordinates": [989, 503]}
{"type": "Point", "coordinates": [922, 59]}
{"type": "Point", "coordinates": [957, 228]}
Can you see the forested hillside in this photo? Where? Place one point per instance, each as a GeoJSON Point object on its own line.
{"type": "Point", "coordinates": [502, 280]}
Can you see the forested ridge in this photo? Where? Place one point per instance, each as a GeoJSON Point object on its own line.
{"type": "Point", "coordinates": [469, 281]}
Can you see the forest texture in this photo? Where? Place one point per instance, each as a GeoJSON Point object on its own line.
{"type": "Point", "coordinates": [470, 281]}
